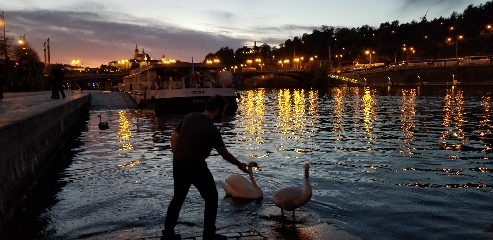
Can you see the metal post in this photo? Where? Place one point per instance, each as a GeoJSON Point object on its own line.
{"type": "Point", "coordinates": [46, 63]}
{"type": "Point", "coordinates": [456, 49]}
{"type": "Point", "coordinates": [48, 47]}
{"type": "Point", "coordinates": [4, 43]}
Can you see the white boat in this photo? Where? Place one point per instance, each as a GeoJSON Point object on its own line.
{"type": "Point", "coordinates": [179, 88]}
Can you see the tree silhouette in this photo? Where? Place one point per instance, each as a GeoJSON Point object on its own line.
{"type": "Point", "coordinates": [428, 38]}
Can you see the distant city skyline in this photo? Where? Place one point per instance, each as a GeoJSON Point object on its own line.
{"type": "Point", "coordinates": [99, 32]}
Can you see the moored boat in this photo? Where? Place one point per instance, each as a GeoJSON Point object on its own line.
{"type": "Point", "coordinates": [180, 87]}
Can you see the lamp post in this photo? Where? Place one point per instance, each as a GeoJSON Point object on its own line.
{"type": "Point", "coordinates": [339, 56]}
{"type": "Point", "coordinates": [456, 46]}
{"type": "Point", "coordinates": [4, 40]}
{"type": "Point", "coordinates": [407, 50]}
{"type": "Point", "coordinates": [368, 52]}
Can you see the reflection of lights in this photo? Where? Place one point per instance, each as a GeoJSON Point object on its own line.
{"type": "Point", "coordinates": [485, 125]}
{"type": "Point", "coordinates": [369, 114]}
{"type": "Point", "coordinates": [297, 117]}
{"type": "Point", "coordinates": [292, 116]}
{"type": "Point", "coordinates": [253, 107]}
{"type": "Point", "coordinates": [312, 108]}
{"type": "Point", "coordinates": [339, 110]}
{"type": "Point", "coordinates": [408, 112]}
{"type": "Point", "coordinates": [453, 120]}
{"type": "Point", "coordinates": [129, 164]}
{"type": "Point", "coordinates": [124, 131]}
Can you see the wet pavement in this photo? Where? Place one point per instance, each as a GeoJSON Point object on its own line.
{"type": "Point", "coordinates": [312, 229]}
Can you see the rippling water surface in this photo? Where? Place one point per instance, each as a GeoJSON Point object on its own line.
{"type": "Point", "coordinates": [385, 164]}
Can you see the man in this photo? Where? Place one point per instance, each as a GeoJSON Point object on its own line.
{"type": "Point", "coordinates": [191, 143]}
{"type": "Point", "coordinates": [57, 78]}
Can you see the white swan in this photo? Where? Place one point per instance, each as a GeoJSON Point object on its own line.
{"type": "Point", "coordinates": [102, 125]}
{"type": "Point", "coordinates": [291, 198]}
{"type": "Point", "coordinates": [239, 187]}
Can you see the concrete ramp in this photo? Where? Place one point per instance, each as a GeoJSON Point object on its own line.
{"type": "Point", "coordinates": [111, 100]}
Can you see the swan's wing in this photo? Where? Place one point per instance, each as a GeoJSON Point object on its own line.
{"type": "Point", "coordinates": [288, 198]}
{"type": "Point", "coordinates": [242, 187]}
{"type": "Point", "coordinates": [227, 189]}
{"type": "Point", "coordinates": [238, 181]}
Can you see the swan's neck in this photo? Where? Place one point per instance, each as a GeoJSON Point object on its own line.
{"type": "Point", "coordinates": [307, 192]}
{"type": "Point", "coordinates": [250, 173]}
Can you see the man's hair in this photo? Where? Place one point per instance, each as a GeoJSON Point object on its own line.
{"type": "Point", "coordinates": [216, 102]}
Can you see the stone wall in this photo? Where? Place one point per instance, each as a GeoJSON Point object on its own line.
{"type": "Point", "coordinates": [27, 147]}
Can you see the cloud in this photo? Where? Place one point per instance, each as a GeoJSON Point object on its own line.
{"type": "Point", "coordinates": [436, 7]}
{"type": "Point", "coordinates": [97, 38]}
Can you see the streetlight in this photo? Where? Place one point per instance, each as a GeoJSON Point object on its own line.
{"type": "Point", "coordinates": [407, 50]}
{"type": "Point", "coordinates": [4, 45]}
{"type": "Point", "coordinates": [22, 40]}
{"type": "Point", "coordinates": [339, 60]}
{"type": "Point", "coordinates": [259, 62]}
{"type": "Point", "coordinates": [368, 52]}
{"type": "Point", "coordinates": [296, 62]}
{"type": "Point", "coordinates": [456, 46]}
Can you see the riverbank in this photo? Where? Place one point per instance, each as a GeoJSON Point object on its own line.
{"type": "Point", "coordinates": [408, 76]}
{"type": "Point", "coordinates": [449, 75]}
{"type": "Point", "coordinates": [32, 128]}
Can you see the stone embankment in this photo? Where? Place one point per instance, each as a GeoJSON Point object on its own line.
{"type": "Point", "coordinates": [33, 127]}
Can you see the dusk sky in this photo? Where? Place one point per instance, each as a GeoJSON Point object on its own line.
{"type": "Point", "coordinates": [97, 32]}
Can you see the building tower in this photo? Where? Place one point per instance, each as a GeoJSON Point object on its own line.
{"type": "Point", "coordinates": [136, 52]}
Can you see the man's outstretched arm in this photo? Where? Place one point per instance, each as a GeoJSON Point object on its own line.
{"type": "Point", "coordinates": [223, 151]}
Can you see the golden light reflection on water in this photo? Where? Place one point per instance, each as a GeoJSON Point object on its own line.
{"type": "Point", "coordinates": [124, 133]}
{"type": "Point", "coordinates": [453, 137]}
{"type": "Point", "coordinates": [338, 101]}
{"type": "Point", "coordinates": [253, 108]}
{"type": "Point", "coordinates": [485, 126]}
{"type": "Point", "coordinates": [295, 119]}
{"type": "Point", "coordinates": [291, 114]}
{"type": "Point", "coordinates": [129, 164]}
{"type": "Point", "coordinates": [408, 113]}
{"type": "Point", "coordinates": [369, 115]}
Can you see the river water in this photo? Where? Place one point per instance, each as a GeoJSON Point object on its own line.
{"type": "Point", "coordinates": [386, 163]}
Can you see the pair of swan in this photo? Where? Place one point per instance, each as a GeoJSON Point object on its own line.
{"type": "Point", "coordinates": [288, 198]}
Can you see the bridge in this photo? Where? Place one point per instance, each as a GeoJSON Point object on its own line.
{"type": "Point", "coordinates": [105, 80]}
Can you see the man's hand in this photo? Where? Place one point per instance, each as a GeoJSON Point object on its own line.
{"type": "Point", "coordinates": [243, 167]}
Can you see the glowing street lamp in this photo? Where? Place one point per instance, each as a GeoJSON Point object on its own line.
{"type": "Point", "coordinates": [76, 62]}
{"type": "Point", "coordinates": [339, 56]}
{"type": "Point", "coordinates": [4, 45]}
{"type": "Point", "coordinates": [22, 41]}
{"type": "Point", "coordinates": [296, 62]}
{"type": "Point", "coordinates": [456, 46]}
{"type": "Point", "coordinates": [369, 52]}
{"type": "Point", "coordinates": [407, 50]}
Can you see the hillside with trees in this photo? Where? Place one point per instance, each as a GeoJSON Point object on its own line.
{"type": "Point", "coordinates": [468, 33]}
